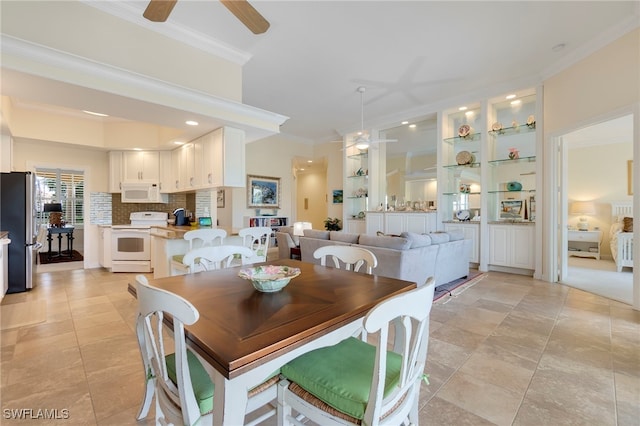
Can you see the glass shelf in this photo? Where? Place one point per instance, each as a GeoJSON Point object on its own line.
{"type": "Point", "coordinates": [462, 193]}
{"type": "Point", "coordinates": [357, 198]}
{"type": "Point", "coordinates": [458, 139]}
{"type": "Point", "coordinates": [511, 192]}
{"type": "Point", "coordinates": [510, 161]}
{"type": "Point", "coordinates": [359, 156]}
{"type": "Point", "coordinates": [357, 176]}
{"type": "Point", "coordinates": [507, 131]}
{"type": "Point", "coordinates": [461, 166]}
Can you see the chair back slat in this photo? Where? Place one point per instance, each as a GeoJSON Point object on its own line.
{"type": "Point", "coordinates": [216, 257]}
{"type": "Point", "coordinates": [257, 238]}
{"type": "Point", "coordinates": [351, 257]}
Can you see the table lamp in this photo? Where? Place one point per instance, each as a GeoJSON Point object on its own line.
{"type": "Point", "coordinates": [582, 209]}
{"type": "Point", "coordinates": [299, 227]}
{"type": "Point", "coordinates": [55, 213]}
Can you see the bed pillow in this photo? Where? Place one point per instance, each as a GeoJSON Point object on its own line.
{"type": "Point", "coordinates": [627, 224]}
{"type": "Point", "coordinates": [615, 228]}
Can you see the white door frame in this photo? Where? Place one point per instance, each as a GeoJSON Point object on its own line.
{"type": "Point", "coordinates": [556, 199]}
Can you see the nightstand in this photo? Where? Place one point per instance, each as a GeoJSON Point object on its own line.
{"type": "Point", "coordinates": [584, 243]}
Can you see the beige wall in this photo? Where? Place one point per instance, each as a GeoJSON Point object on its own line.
{"type": "Point", "coordinates": [603, 82]}
{"type": "Point", "coordinates": [599, 173]}
{"type": "Point", "coordinates": [312, 186]}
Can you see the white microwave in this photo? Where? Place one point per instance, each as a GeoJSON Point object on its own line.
{"type": "Point", "coordinates": [142, 193]}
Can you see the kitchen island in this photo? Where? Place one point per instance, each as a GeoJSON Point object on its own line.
{"type": "Point", "coordinates": [167, 241]}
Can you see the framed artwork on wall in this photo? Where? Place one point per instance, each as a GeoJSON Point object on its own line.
{"type": "Point", "coordinates": [510, 209]}
{"type": "Point", "coordinates": [220, 198]}
{"type": "Point", "coordinates": [263, 192]}
{"type": "Point", "coordinates": [337, 196]}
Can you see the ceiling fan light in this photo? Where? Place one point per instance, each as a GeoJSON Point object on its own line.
{"type": "Point", "coordinates": [362, 145]}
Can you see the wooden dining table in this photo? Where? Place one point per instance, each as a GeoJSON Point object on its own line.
{"type": "Point", "coordinates": [247, 335]}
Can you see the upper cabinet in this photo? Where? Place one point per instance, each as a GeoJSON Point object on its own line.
{"type": "Point", "coordinates": [141, 166]}
{"type": "Point", "coordinates": [115, 171]}
{"type": "Point", "coordinates": [224, 158]}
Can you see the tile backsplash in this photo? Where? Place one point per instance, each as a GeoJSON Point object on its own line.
{"type": "Point", "coordinates": [108, 209]}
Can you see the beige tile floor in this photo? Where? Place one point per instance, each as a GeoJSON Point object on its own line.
{"type": "Point", "coordinates": [509, 350]}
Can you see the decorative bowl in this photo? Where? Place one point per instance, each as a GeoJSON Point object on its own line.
{"type": "Point", "coordinates": [269, 278]}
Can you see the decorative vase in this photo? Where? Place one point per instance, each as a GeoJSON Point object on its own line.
{"type": "Point", "coordinates": [514, 154]}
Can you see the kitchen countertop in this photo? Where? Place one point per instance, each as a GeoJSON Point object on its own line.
{"type": "Point", "coordinates": [172, 232]}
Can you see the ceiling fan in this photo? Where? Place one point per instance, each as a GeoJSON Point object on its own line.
{"type": "Point", "coordinates": [363, 141]}
{"type": "Point", "coordinates": [159, 11]}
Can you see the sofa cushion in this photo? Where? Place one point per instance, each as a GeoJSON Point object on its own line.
{"type": "Point", "coordinates": [344, 237]}
{"type": "Point", "coordinates": [316, 233]}
{"type": "Point", "coordinates": [396, 243]}
{"type": "Point", "coordinates": [417, 240]}
{"type": "Point", "coordinates": [439, 237]}
{"type": "Point", "coordinates": [456, 235]}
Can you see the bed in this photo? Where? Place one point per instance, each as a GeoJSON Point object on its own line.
{"type": "Point", "coordinates": [621, 242]}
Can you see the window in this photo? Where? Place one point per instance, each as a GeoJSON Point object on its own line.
{"type": "Point", "coordinates": [60, 186]}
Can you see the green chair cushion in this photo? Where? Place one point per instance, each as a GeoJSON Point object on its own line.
{"type": "Point", "coordinates": [202, 385]}
{"type": "Point", "coordinates": [340, 375]}
{"type": "Point", "coordinates": [177, 258]}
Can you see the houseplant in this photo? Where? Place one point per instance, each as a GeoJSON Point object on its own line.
{"type": "Point", "coordinates": [334, 224]}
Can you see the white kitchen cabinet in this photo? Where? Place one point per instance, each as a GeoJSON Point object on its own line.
{"type": "Point", "coordinates": [115, 171]}
{"type": "Point", "coordinates": [471, 231]}
{"type": "Point", "coordinates": [141, 166]}
{"type": "Point", "coordinates": [374, 222]}
{"type": "Point", "coordinates": [224, 158]}
{"type": "Point", "coordinates": [104, 248]}
{"type": "Point", "coordinates": [176, 170]}
{"type": "Point", "coordinates": [166, 174]}
{"type": "Point", "coordinates": [512, 246]}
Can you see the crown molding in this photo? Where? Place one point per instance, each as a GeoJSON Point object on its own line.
{"type": "Point", "coordinates": [171, 30]}
{"type": "Point", "coordinates": [42, 61]}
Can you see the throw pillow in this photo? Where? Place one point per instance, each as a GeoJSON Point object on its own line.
{"type": "Point", "coordinates": [439, 237]}
{"type": "Point", "coordinates": [627, 224]}
{"type": "Point", "coordinates": [417, 240]}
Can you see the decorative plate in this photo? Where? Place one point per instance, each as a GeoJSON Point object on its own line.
{"type": "Point", "coordinates": [463, 215]}
{"type": "Point", "coordinates": [464, 157]}
{"type": "Point", "coordinates": [269, 278]}
{"type": "Point", "coordinates": [496, 127]}
{"type": "Point", "coordinates": [464, 131]}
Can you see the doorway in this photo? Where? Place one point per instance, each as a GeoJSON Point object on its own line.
{"type": "Point", "coordinates": [592, 171]}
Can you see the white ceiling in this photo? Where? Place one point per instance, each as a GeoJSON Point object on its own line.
{"type": "Point", "coordinates": [413, 57]}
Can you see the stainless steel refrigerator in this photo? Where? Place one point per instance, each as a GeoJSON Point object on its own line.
{"type": "Point", "coordinates": [17, 215]}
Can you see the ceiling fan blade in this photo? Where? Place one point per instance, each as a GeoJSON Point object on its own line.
{"type": "Point", "coordinates": [247, 14]}
{"type": "Point", "coordinates": [159, 10]}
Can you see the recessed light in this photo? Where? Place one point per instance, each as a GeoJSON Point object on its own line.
{"type": "Point", "coordinates": [99, 114]}
{"type": "Point", "coordinates": [302, 170]}
{"type": "Point", "coordinates": [137, 149]}
{"type": "Point", "coordinates": [191, 123]}
{"type": "Point", "coordinates": [462, 108]}
{"type": "Point", "coordinates": [516, 102]}
{"type": "Point", "coordinates": [178, 143]}
{"type": "Point", "coordinates": [469, 113]}
{"type": "Point", "coordinates": [405, 122]}
{"type": "Point", "coordinates": [510, 96]}
{"type": "Point", "coordinates": [309, 161]}
{"type": "Point", "coordinates": [413, 126]}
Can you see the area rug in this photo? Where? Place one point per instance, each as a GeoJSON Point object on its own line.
{"type": "Point", "coordinates": [448, 288]}
{"type": "Point", "coordinates": [22, 314]}
{"type": "Point", "coordinates": [75, 257]}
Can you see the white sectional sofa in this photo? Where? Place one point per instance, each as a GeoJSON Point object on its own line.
{"type": "Point", "coordinates": [410, 256]}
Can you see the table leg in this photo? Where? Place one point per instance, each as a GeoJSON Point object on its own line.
{"type": "Point", "coordinates": [229, 401]}
{"type": "Point", "coordinates": [70, 244]}
{"type": "Point", "coordinates": [59, 245]}
{"type": "Point", "coordinates": [49, 239]}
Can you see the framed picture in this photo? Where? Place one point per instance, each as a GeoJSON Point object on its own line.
{"type": "Point", "coordinates": [510, 209]}
{"type": "Point", "coordinates": [630, 177]}
{"type": "Point", "coordinates": [220, 198]}
{"type": "Point", "coordinates": [337, 196]}
{"type": "Point", "coordinates": [532, 208]}
{"type": "Point", "coordinates": [263, 191]}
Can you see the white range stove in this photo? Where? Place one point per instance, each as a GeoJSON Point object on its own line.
{"type": "Point", "coordinates": [131, 244]}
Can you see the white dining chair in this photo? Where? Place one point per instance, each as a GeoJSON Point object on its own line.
{"type": "Point", "coordinates": [257, 238]}
{"type": "Point", "coordinates": [355, 382]}
{"type": "Point", "coordinates": [353, 258]}
{"type": "Point", "coordinates": [176, 376]}
{"type": "Point", "coordinates": [197, 238]}
{"type": "Point", "coordinates": [216, 257]}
